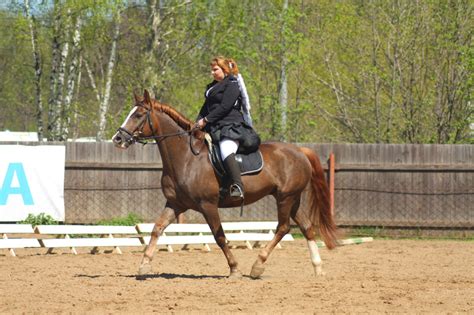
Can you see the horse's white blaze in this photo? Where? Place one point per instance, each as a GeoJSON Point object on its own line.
{"type": "Point", "coordinates": [124, 144]}
{"type": "Point", "coordinates": [315, 258]}
{"type": "Point", "coordinates": [134, 109]}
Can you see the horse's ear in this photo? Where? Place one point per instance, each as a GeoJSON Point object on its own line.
{"type": "Point", "coordinates": [137, 98]}
{"type": "Point", "coordinates": [146, 96]}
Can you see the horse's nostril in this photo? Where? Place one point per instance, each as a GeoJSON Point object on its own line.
{"type": "Point", "coordinates": [117, 139]}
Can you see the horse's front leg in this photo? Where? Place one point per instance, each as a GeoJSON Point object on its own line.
{"type": "Point", "coordinates": [211, 214]}
{"type": "Point", "coordinates": [169, 215]}
{"type": "Point", "coordinates": [284, 208]}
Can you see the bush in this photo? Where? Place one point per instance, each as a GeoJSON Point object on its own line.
{"type": "Point", "coordinates": [130, 219]}
{"type": "Point", "coordinates": [40, 219]}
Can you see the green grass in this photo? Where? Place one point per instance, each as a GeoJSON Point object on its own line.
{"type": "Point", "coordinates": [40, 219]}
{"type": "Point", "coordinates": [130, 219]}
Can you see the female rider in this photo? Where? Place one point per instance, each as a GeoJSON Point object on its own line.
{"type": "Point", "coordinates": [221, 115]}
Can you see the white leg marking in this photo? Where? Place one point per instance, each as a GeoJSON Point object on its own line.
{"type": "Point", "coordinates": [315, 258]}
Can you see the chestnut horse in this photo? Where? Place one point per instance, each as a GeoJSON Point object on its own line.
{"type": "Point", "coordinates": [189, 182]}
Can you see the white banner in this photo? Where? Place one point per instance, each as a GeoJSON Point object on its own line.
{"type": "Point", "coordinates": [31, 181]}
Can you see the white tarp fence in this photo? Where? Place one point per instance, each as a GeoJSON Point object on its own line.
{"type": "Point", "coordinates": [31, 181]}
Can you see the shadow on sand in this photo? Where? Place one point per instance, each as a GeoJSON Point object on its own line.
{"type": "Point", "coordinates": [154, 276]}
{"type": "Point", "coordinates": [176, 276]}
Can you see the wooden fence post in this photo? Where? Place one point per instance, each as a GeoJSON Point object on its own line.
{"type": "Point", "coordinates": [331, 181]}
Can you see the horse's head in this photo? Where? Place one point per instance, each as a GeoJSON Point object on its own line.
{"type": "Point", "coordinates": [138, 123]}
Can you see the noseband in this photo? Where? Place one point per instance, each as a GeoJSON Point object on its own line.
{"type": "Point", "coordinates": [132, 138]}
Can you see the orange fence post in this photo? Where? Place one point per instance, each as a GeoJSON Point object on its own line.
{"type": "Point", "coordinates": [332, 173]}
{"type": "Point", "coordinates": [181, 218]}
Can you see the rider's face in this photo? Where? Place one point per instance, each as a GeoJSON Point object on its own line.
{"type": "Point", "coordinates": [217, 73]}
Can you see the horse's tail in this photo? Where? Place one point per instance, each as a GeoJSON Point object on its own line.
{"type": "Point", "coordinates": [319, 201]}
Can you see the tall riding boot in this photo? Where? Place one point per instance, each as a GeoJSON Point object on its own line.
{"type": "Point", "coordinates": [233, 170]}
{"type": "Point", "coordinates": [224, 189]}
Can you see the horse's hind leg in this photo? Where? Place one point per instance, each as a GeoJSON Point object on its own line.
{"type": "Point", "coordinates": [308, 231]}
{"type": "Point", "coordinates": [285, 206]}
{"type": "Point", "coordinates": [168, 216]}
{"type": "Point", "coordinates": [211, 215]}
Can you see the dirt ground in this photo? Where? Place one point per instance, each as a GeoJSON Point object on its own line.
{"type": "Point", "coordinates": [384, 276]}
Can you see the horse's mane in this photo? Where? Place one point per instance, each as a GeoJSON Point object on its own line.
{"type": "Point", "coordinates": [182, 121]}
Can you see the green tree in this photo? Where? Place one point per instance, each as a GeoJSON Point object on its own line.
{"type": "Point", "coordinates": [332, 71]}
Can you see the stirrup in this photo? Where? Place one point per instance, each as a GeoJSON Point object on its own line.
{"type": "Point", "coordinates": [236, 191]}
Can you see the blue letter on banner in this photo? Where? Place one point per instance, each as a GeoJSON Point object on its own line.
{"type": "Point", "coordinates": [23, 189]}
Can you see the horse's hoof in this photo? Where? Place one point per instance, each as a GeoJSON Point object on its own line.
{"type": "Point", "coordinates": [257, 270]}
{"type": "Point", "coordinates": [318, 271]}
{"type": "Point", "coordinates": [145, 269]}
{"type": "Point", "coordinates": [236, 274]}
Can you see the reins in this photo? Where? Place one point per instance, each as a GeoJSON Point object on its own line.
{"type": "Point", "coordinates": [142, 140]}
{"type": "Point", "coordinates": [161, 137]}
{"type": "Point", "coordinates": [168, 135]}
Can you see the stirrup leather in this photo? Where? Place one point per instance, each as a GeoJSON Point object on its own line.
{"type": "Point", "coordinates": [223, 193]}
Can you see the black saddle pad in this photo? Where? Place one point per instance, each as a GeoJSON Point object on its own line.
{"type": "Point", "coordinates": [249, 163]}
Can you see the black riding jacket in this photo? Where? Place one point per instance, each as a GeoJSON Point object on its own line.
{"type": "Point", "coordinates": [223, 103]}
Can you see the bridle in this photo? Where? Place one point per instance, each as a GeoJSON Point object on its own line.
{"type": "Point", "coordinates": [135, 137]}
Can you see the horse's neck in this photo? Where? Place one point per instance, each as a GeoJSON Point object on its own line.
{"type": "Point", "coordinates": [174, 150]}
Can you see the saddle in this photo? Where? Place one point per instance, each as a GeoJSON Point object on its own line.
{"type": "Point", "coordinates": [249, 163]}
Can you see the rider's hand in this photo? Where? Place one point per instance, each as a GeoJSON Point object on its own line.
{"type": "Point", "coordinates": [201, 123]}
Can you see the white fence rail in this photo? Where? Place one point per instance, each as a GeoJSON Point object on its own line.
{"type": "Point", "coordinates": [66, 236]}
{"type": "Point", "coordinates": [234, 232]}
{"type": "Point", "coordinates": [14, 243]}
{"type": "Point", "coordinates": [73, 236]}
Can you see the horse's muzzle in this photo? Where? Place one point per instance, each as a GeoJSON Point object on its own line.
{"type": "Point", "coordinates": [123, 139]}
